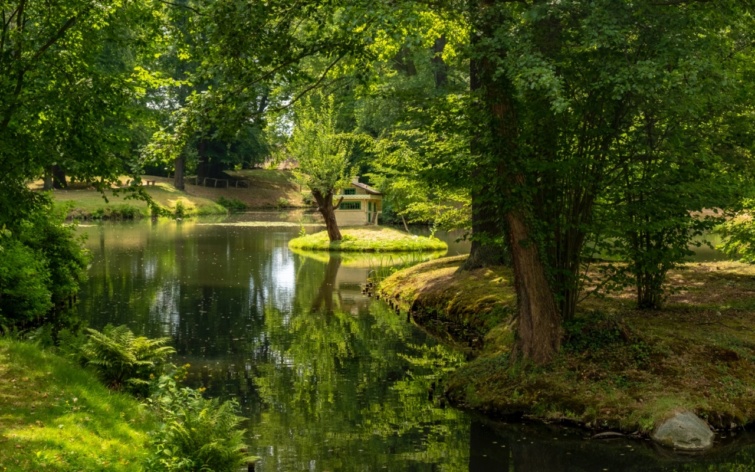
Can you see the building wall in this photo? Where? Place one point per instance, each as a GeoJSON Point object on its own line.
{"type": "Point", "coordinates": [351, 217]}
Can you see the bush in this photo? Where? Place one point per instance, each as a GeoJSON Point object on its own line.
{"type": "Point", "coordinates": [283, 203]}
{"type": "Point", "coordinates": [232, 204]}
{"type": "Point", "coordinates": [124, 360]}
{"type": "Point", "coordinates": [180, 209]}
{"type": "Point", "coordinates": [24, 282]}
{"type": "Point", "coordinates": [42, 263]}
{"type": "Point", "coordinates": [196, 434]}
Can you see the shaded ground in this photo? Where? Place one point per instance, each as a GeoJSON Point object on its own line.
{"type": "Point", "coordinates": [620, 368]}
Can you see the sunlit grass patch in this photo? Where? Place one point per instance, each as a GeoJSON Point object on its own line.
{"type": "Point", "coordinates": [57, 416]}
{"type": "Point", "coordinates": [368, 238]}
{"type": "Point", "coordinates": [91, 204]}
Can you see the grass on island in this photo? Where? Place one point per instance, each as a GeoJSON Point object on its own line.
{"type": "Point", "coordinates": [619, 368]}
{"type": "Point", "coordinates": [371, 260]}
{"type": "Point", "coordinates": [368, 239]}
{"type": "Point", "coordinates": [56, 416]}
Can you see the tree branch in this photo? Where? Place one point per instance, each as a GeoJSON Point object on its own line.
{"type": "Point", "coordinates": [312, 86]}
{"type": "Point", "coordinates": [178, 5]}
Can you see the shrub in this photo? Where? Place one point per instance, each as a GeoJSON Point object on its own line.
{"type": "Point", "coordinates": [196, 434]}
{"type": "Point", "coordinates": [283, 203]}
{"type": "Point", "coordinates": [42, 263]}
{"type": "Point", "coordinates": [24, 281]}
{"type": "Point", "coordinates": [232, 204]}
{"type": "Point", "coordinates": [124, 360]}
{"type": "Point", "coordinates": [180, 209]}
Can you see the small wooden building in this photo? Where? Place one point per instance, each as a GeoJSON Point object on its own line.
{"type": "Point", "coordinates": [361, 205]}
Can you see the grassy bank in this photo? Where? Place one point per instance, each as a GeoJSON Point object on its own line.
{"type": "Point", "coordinates": [620, 368]}
{"type": "Point", "coordinates": [56, 416]}
{"type": "Point", "coordinates": [267, 189]}
{"type": "Point", "coordinates": [368, 239]}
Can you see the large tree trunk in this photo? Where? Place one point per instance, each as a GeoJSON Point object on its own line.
{"type": "Point", "coordinates": [59, 180]}
{"type": "Point", "coordinates": [539, 323]}
{"type": "Point", "coordinates": [178, 178]}
{"type": "Point", "coordinates": [327, 210]}
{"type": "Point", "coordinates": [486, 222]}
{"type": "Point", "coordinates": [48, 184]}
{"type": "Point", "coordinates": [487, 231]}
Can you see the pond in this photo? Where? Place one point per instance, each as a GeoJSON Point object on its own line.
{"type": "Point", "coordinates": [329, 379]}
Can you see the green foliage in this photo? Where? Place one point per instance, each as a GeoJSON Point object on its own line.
{"type": "Point", "coordinates": [124, 360]}
{"type": "Point", "coordinates": [739, 236]}
{"type": "Point", "coordinates": [42, 264]}
{"type": "Point", "coordinates": [196, 434]}
{"type": "Point", "coordinates": [323, 153]}
{"type": "Point", "coordinates": [24, 284]}
{"type": "Point", "coordinates": [180, 209]}
{"type": "Point", "coordinates": [117, 212]}
{"type": "Point", "coordinates": [233, 205]}
{"type": "Point", "coordinates": [64, 418]}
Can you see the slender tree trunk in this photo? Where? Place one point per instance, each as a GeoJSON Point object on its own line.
{"type": "Point", "coordinates": [327, 210]}
{"type": "Point", "coordinates": [440, 69]}
{"type": "Point", "coordinates": [178, 178]}
{"type": "Point", "coordinates": [203, 166]}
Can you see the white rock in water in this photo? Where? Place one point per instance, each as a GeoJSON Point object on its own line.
{"type": "Point", "coordinates": [685, 431]}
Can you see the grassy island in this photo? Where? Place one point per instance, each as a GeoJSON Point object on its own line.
{"type": "Point", "coordinates": [619, 368]}
{"type": "Point", "coordinates": [56, 416]}
{"type": "Point", "coordinates": [368, 239]}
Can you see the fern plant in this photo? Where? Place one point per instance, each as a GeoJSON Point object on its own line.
{"type": "Point", "coordinates": [123, 360]}
{"type": "Point", "coordinates": [196, 434]}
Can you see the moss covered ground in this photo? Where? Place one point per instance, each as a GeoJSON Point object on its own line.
{"type": "Point", "coordinates": [56, 416]}
{"type": "Point", "coordinates": [368, 239]}
{"type": "Point", "coordinates": [619, 369]}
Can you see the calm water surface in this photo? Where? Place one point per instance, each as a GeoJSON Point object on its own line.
{"type": "Point", "coordinates": [329, 379]}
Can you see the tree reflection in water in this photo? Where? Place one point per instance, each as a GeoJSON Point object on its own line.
{"type": "Point", "coordinates": [329, 379]}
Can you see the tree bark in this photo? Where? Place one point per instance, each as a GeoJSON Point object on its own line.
{"type": "Point", "coordinates": [440, 68]}
{"type": "Point", "coordinates": [59, 178]}
{"type": "Point", "coordinates": [486, 224]}
{"type": "Point", "coordinates": [539, 323]}
{"type": "Point", "coordinates": [48, 185]}
{"type": "Point", "coordinates": [327, 210]}
{"type": "Point", "coordinates": [178, 178]}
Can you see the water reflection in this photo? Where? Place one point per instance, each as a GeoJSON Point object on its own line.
{"type": "Point", "coordinates": [329, 378]}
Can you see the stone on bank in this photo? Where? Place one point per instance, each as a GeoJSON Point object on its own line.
{"type": "Point", "coordinates": [684, 431]}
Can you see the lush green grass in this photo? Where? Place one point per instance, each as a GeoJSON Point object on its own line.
{"type": "Point", "coordinates": [90, 204]}
{"type": "Point", "coordinates": [619, 368]}
{"type": "Point", "coordinates": [368, 239]}
{"type": "Point", "coordinates": [56, 416]}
